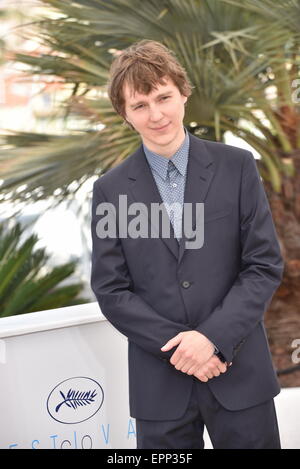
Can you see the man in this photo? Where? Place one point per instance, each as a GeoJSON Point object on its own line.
{"type": "Point", "coordinates": [193, 314]}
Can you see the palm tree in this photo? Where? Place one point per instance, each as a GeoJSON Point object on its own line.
{"type": "Point", "coordinates": [242, 58]}
{"type": "Point", "coordinates": [23, 289]}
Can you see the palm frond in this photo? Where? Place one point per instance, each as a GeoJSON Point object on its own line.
{"type": "Point", "coordinates": [23, 288]}
{"type": "Point", "coordinates": [234, 52]}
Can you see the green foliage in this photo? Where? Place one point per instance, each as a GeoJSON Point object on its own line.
{"type": "Point", "coordinates": [23, 289]}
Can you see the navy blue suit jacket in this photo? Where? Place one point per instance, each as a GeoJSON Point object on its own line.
{"type": "Point", "coordinates": [151, 289]}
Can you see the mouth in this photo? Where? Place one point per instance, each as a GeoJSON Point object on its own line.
{"type": "Point", "coordinates": [161, 128]}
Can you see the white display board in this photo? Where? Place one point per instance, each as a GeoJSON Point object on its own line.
{"type": "Point", "coordinates": [64, 381]}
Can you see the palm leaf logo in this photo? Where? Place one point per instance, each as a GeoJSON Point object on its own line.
{"type": "Point", "coordinates": [76, 399]}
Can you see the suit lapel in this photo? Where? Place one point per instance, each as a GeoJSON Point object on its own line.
{"type": "Point", "coordinates": [200, 171]}
{"type": "Point", "coordinates": [144, 189]}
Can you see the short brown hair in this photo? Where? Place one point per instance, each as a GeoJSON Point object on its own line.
{"type": "Point", "coordinates": [142, 66]}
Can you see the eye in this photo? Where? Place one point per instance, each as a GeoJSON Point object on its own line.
{"type": "Point", "coordinates": [138, 107]}
{"type": "Point", "coordinates": [165, 97]}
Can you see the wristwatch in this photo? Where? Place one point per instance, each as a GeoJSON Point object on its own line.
{"type": "Point", "coordinates": [219, 355]}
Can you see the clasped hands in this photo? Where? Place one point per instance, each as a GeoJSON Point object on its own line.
{"type": "Point", "coordinates": [195, 355]}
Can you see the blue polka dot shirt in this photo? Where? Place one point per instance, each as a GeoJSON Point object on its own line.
{"type": "Point", "coordinates": [170, 178]}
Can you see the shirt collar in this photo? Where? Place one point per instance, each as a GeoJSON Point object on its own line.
{"type": "Point", "coordinates": [160, 163]}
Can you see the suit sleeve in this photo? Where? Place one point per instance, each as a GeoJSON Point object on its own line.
{"type": "Point", "coordinates": [113, 288]}
{"type": "Point", "coordinates": [260, 274]}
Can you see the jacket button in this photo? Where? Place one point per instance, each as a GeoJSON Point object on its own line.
{"type": "Point", "coordinates": [185, 284]}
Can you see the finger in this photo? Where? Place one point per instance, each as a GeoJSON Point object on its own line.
{"type": "Point", "coordinates": [213, 366]}
{"type": "Point", "coordinates": [202, 378]}
{"type": "Point", "coordinates": [206, 372]}
{"type": "Point", "coordinates": [210, 372]}
{"type": "Point", "coordinates": [183, 364]}
{"type": "Point", "coordinates": [186, 366]}
{"type": "Point", "coordinates": [222, 368]}
{"type": "Point", "coordinates": [172, 342]}
{"type": "Point", "coordinates": [182, 358]}
{"type": "Point", "coordinates": [192, 370]}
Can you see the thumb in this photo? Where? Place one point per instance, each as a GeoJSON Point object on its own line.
{"type": "Point", "coordinates": [171, 343]}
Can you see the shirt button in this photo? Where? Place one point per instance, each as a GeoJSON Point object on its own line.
{"type": "Point", "coordinates": [185, 284]}
{"type": "Point", "coordinates": [174, 184]}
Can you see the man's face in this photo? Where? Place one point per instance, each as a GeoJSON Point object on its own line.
{"type": "Point", "coordinates": [158, 116]}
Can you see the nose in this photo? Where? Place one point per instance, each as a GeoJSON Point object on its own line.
{"type": "Point", "coordinates": [155, 114]}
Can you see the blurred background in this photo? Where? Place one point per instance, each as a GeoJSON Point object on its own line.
{"type": "Point", "coordinates": [58, 131]}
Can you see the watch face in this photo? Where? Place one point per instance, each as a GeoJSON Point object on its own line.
{"type": "Point", "coordinates": [221, 357]}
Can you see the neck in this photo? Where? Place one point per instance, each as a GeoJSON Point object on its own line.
{"type": "Point", "coordinates": [169, 148]}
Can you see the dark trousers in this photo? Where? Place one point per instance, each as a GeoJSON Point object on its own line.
{"type": "Point", "coordinates": [252, 428]}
